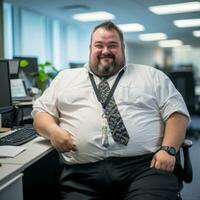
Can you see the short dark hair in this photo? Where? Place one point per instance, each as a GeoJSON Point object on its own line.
{"type": "Point", "coordinates": [108, 25]}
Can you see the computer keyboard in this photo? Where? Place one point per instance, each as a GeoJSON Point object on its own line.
{"type": "Point", "coordinates": [19, 137]}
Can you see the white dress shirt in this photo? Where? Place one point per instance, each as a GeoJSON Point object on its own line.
{"type": "Point", "coordinates": [145, 98]}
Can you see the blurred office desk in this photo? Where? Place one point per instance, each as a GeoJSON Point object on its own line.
{"type": "Point", "coordinates": [39, 164]}
{"type": "Point", "coordinates": [24, 103]}
{"type": "Point", "coordinates": [197, 90]}
{"type": "Point", "coordinates": [11, 182]}
{"type": "Point", "coordinates": [197, 93]}
{"type": "Point", "coordinates": [23, 113]}
{"type": "Point", "coordinates": [193, 130]}
{"type": "Point", "coordinates": [35, 149]}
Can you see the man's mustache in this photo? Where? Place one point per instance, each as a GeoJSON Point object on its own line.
{"type": "Point", "coordinates": [106, 56]}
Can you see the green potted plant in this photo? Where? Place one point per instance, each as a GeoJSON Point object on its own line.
{"type": "Point", "coordinates": [46, 72]}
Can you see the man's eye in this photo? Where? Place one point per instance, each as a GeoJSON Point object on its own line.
{"type": "Point", "coordinates": [112, 46]}
{"type": "Point", "coordinates": [99, 46]}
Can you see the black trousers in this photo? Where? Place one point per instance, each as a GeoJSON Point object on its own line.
{"type": "Point", "coordinates": [126, 178]}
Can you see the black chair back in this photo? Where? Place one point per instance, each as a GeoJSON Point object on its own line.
{"type": "Point", "coordinates": [185, 83]}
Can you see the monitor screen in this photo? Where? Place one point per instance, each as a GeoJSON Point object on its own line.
{"type": "Point", "coordinates": [5, 91]}
{"type": "Point", "coordinates": [13, 68]}
{"type": "Point", "coordinates": [76, 65]}
{"type": "Point", "coordinates": [29, 65]}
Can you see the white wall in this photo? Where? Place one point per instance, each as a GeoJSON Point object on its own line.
{"type": "Point", "coordinates": [77, 44]}
{"type": "Point", "coordinates": [84, 45]}
{"type": "Point", "coordinates": [146, 54]}
{"type": "Point", "coordinates": [8, 42]}
{"type": "Point", "coordinates": [33, 35]}
{"type": "Point", "coordinates": [192, 56]}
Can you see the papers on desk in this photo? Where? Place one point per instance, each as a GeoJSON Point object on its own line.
{"type": "Point", "coordinates": [10, 151]}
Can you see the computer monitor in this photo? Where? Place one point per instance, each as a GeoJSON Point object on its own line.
{"type": "Point", "coordinates": [5, 99]}
{"type": "Point", "coordinates": [28, 69]}
{"type": "Point", "coordinates": [76, 65]}
{"type": "Point", "coordinates": [13, 68]}
{"type": "Point", "coordinates": [29, 65]}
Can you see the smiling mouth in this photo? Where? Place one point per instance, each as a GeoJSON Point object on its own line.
{"type": "Point", "coordinates": [106, 61]}
{"type": "Point", "coordinates": [106, 57]}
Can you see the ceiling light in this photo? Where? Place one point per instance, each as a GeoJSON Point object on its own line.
{"type": "Point", "coordinates": [196, 33]}
{"type": "Point", "coordinates": [183, 48]}
{"type": "Point", "coordinates": [176, 8]}
{"type": "Point", "coordinates": [152, 36]}
{"type": "Point", "coordinates": [132, 27]}
{"type": "Point", "coordinates": [169, 43]}
{"type": "Point", "coordinates": [187, 23]}
{"type": "Point", "coordinates": [93, 16]}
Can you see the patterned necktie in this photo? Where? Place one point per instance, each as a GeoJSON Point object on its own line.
{"type": "Point", "coordinates": [115, 122]}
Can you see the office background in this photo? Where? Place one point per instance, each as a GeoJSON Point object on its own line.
{"type": "Point", "coordinates": [45, 29]}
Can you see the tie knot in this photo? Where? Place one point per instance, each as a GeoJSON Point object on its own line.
{"type": "Point", "coordinates": [103, 85]}
{"type": "Point", "coordinates": [104, 78]}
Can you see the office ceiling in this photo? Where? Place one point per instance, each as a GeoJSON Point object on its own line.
{"type": "Point", "coordinates": [126, 11]}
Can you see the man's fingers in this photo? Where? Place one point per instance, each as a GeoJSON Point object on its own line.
{"type": "Point", "coordinates": [153, 161]}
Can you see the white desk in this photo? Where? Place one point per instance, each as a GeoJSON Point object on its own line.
{"type": "Point", "coordinates": [11, 169]}
{"type": "Point", "coordinates": [8, 171]}
{"type": "Point", "coordinates": [35, 149]}
{"type": "Point", "coordinates": [11, 182]}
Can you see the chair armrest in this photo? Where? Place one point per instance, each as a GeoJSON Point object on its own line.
{"type": "Point", "coordinates": [187, 143]}
{"type": "Point", "coordinates": [187, 171]}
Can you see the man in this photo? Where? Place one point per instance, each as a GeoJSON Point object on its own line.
{"type": "Point", "coordinates": [118, 127]}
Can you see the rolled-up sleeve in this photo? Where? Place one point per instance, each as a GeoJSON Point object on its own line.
{"type": "Point", "coordinates": [47, 102]}
{"type": "Point", "coordinates": [169, 99]}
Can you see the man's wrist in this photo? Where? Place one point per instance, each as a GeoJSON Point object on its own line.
{"type": "Point", "coordinates": [169, 149]}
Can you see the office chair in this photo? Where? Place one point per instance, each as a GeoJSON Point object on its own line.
{"type": "Point", "coordinates": [184, 170]}
{"type": "Point", "coordinates": [184, 82]}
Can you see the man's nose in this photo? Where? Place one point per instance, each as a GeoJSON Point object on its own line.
{"type": "Point", "coordinates": [105, 50]}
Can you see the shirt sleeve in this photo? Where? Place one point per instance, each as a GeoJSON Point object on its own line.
{"type": "Point", "coordinates": [169, 99]}
{"type": "Point", "coordinates": [47, 102]}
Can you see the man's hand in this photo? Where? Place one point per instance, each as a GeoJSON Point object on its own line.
{"type": "Point", "coordinates": [163, 161]}
{"type": "Point", "coordinates": [48, 127]}
{"type": "Point", "coordinates": [63, 141]}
